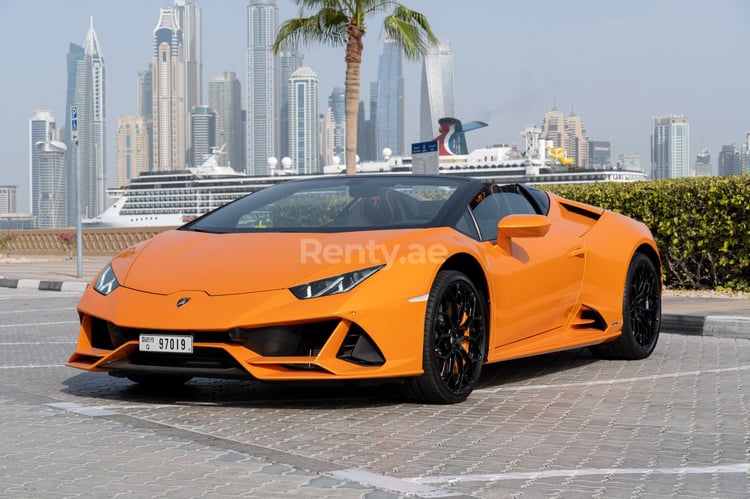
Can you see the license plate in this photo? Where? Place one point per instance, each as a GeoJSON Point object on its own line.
{"type": "Point", "coordinates": [165, 343]}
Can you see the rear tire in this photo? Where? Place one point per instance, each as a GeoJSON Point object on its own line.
{"type": "Point", "coordinates": [455, 341]}
{"type": "Point", "coordinates": [641, 313]}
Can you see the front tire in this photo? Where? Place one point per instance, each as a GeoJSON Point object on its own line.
{"type": "Point", "coordinates": [455, 341]}
{"type": "Point", "coordinates": [641, 313]}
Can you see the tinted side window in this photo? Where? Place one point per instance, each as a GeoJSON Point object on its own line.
{"type": "Point", "coordinates": [497, 206]}
{"type": "Point", "coordinates": [540, 198]}
{"type": "Point", "coordinates": [466, 225]}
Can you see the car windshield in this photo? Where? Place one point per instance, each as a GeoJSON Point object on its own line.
{"type": "Point", "coordinates": [339, 203]}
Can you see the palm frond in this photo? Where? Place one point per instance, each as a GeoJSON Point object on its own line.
{"type": "Point", "coordinates": [327, 26]}
{"type": "Point", "coordinates": [411, 30]}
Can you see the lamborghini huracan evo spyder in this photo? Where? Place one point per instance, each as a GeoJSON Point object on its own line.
{"type": "Point", "coordinates": [420, 279]}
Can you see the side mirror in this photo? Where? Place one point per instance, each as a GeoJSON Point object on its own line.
{"type": "Point", "coordinates": [520, 226]}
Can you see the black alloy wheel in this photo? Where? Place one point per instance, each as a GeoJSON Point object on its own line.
{"type": "Point", "coordinates": [641, 311]}
{"type": "Point", "coordinates": [455, 340]}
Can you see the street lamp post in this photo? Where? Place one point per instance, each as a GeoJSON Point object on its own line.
{"type": "Point", "coordinates": [79, 226]}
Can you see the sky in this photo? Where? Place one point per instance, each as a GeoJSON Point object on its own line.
{"type": "Point", "coordinates": [615, 63]}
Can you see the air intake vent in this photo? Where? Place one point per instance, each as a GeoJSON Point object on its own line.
{"type": "Point", "coordinates": [578, 210]}
{"type": "Point", "coordinates": [588, 318]}
{"type": "Point", "coordinates": [358, 348]}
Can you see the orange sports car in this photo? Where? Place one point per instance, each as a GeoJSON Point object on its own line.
{"type": "Point", "coordinates": [421, 279]}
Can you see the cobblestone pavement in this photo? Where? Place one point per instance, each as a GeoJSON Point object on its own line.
{"type": "Point", "coordinates": [560, 425]}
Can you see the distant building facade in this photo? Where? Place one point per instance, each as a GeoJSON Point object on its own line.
{"type": "Point", "coordinates": [188, 14]}
{"type": "Point", "coordinates": [145, 110]}
{"type": "Point", "coordinates": [576, 141]}
{"type": "Point", "coordinates": [202, 133]}
{"type": "Point", "coordinates": [335, 127]}
{"type": "Point", "coordinates": [366, 130]}
{"type": "Point", "coordinates": [52, 200]}
{"type": "Point", "coordinates": [169, 114]}
{"type": "Point", "coordinates": [262, 81]}
{"type": "Point", "coordinates": [437, 92]}
{"type": "Point", "coordinates": [670, 147]}
{"type": "Point", "coordinates": [553, 127]}
{"type": "Point", "coordinates": [225, 98]}
{"type": "Point", "coordinates": [568, 133]}
{"type": "Point", "coordinates": [303, 121]}
{"type": "Point", "coordinates": [630, 162]}
{"type": "Point", "coordinates": [8, 199]}
{"type": "Point", "coordinates": [390, 104]}
{"type": "Point", "coordinates": [703, 166]}
{"type": "Point", "coordinates": [132, 148]}
{"type": "Point", "coordinates": [600, 154]}
{"type": "Point", "coordinates": [87, 91]}
{"type": "Point", "coordinates": [76, 78]}
{"type": "Point", "coordinates": [42, 128]}
{"type": "Point", "coordinates": [730, 160]}
{"type": "Point", "coordinates": [289, 62]}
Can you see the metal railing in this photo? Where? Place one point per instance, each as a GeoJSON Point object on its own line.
{"type": "Point", "coordinates": [96, 241]}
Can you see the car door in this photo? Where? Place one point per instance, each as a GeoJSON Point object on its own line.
{"type": "Point", "coordinates": [535, 281]}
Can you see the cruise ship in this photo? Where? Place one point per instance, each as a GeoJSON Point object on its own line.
{"type": "Point", "coordinates": [163, 199]}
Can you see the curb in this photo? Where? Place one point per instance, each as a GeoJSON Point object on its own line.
{"type": "Point", "coordinates": [41, 285]}
{"type": "Point", "coordinates": [719, 326]}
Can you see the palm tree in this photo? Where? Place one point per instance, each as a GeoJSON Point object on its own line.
{"type": "Point", "coordinates": [343, 23]}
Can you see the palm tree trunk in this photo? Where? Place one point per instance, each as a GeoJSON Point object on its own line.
{"type": "Point", "coordinates": [353, 60]}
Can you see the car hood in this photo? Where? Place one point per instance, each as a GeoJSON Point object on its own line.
{"type": "Point", "coordinates": [222, 264]}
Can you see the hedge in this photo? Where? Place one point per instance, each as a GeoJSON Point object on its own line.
{"type": "Point", "coordinates": [701, 225]}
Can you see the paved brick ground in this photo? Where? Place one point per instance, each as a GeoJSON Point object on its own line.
{"type": "Point", "coordinates": [562, 425]}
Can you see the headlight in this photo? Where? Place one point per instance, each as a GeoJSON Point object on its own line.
{"type": "Point", "coordinates": [106, 282]}
{"type": "Point", "coordinates": [333, 285]}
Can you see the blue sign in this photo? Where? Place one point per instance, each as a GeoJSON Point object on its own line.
{"type": "Point", "coordinates": [424, 147]}
{"type": "Point", "coordinates": [74, 124]}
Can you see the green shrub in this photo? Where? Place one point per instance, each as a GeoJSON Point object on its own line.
{"type": "Point", "coordinates": [701, 225]}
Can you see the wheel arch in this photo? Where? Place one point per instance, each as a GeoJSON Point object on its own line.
{"type": "Point", "coordinates": [652, 255]}
{"type": "Point", "coordinates": [469, 265]}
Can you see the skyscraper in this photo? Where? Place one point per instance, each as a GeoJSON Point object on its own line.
{"type": "Point", "coordinates": [168, 98]}
{"type": "Point", "coordinates": [224, 97]}
{"type": "Point", "coordinates": [42, 128]}
{"type": "Point", "coordinates": [390, 108]}
{"type": "Point", "coordinates": [303, 121]}
{"type": "Point", "coordinates": [553, 127]}
{"type": "Point", "coordinates": [670, 147]}
{"type": "Point", "coordinates": [568, 133]}
{"type": "Point", "coordinates": [132, 148]}
{"type": "Point", "coordinates": [289, 62]}
{"type": "Point", "coordinates": [8, 199]}
{"type": "Point", "coordinates": [48, 185]}
{"type": "Point", "coordinates": [86, 89]}
{"type": "Point", "coordinates": [730, 160]}
{"type": "Point", "coordinates": [75, 66]}
{"type": "Point", "coordinates": [145, 103]}
{"type": "Point", "coordinates": [52, 188]}
{"type": "Point", "coordinates": [703, 163]}
{"type": "Point", "coordinates": [576, 141]}
{"type": "Point", "coordinates": [437, 89]}
{"type": "Point", "coordinates": [262, 81]}
{"type": "Point", "coordinates": [335, 126]}
{"type": "Point", "coordinates": [203, 133]}
{"type": "Point", "coordinates": [600, 154]}
{"type": "Point", "coordinates": [188, 15]}
{"type": "Point", "coordinates": [366, 129]}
